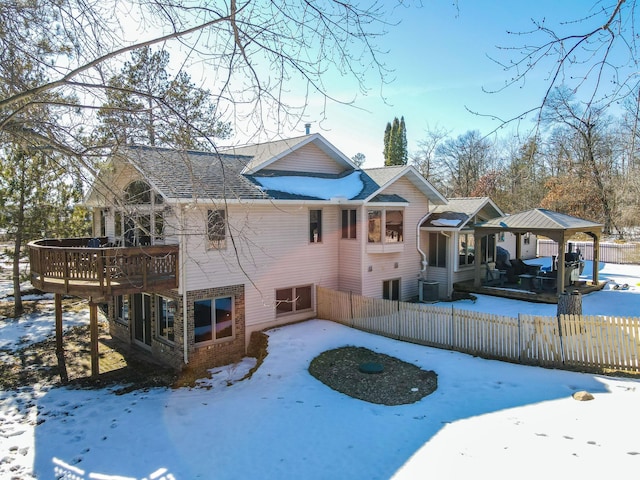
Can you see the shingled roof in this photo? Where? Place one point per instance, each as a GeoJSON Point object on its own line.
{"type": "Point", "coordinates": [187, 174]}
{"type": "Point", "coordinates": [239, 173]}
{"type": "Point", "coordinates": [540, 220]}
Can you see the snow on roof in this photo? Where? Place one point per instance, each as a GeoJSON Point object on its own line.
{"type": "Point", "coordinates": [445, 222]}
{"type": "Point", "coordinates": [323, 188]}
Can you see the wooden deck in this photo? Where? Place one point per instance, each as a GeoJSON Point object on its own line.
{"type": "Point", "coordinates": [67, 267]}
{"type": "Point", "coordinates": [517, 293]}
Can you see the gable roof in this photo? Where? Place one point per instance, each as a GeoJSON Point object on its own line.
{"type": "Point", "coordinates": [264, 154]}
{"type": "Point", "coordinates": [459, 211]}
{"type": "Point", "coordinates": [385, 176]}
{"type": "Point", "coordinates": [188, 175]}
{"type": "Point", "coordinates": [540, 220]}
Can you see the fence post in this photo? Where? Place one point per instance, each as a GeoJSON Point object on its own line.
{"type": "Point", "coordinates": [519, 339]}
{"type": "Point", "coordinates": [452, 333]}
{"type": "Point", "coordinates": [351, 307]}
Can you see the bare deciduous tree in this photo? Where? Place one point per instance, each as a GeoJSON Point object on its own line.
{"type": "Point", "coordinates": [249, 51]}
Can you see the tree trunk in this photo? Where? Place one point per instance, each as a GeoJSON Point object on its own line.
{"type": "Point", "coordinates": [570, 304]}
{"type": "Point", "coordinates": [18, 308]}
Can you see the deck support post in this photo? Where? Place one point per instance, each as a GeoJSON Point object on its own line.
{"type": "Point", "coordinates": [62, 366]}
{"type": "Point", "coordinates": [93, 327]}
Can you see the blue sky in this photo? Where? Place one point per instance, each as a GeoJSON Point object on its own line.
{"type": "Point", "coordinates": [440, 57]}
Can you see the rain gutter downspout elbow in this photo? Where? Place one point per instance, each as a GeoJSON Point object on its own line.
{"type": "Point", "coordinates": [424, 262]}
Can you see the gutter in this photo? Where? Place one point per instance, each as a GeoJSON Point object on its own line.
{"type": "Point", "coordinates": [424, 262]}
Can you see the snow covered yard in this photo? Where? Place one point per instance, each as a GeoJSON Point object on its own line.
{"type": "Point", "coordinates": [487, 419]}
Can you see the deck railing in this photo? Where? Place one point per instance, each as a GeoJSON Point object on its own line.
{"type": "Point", "coordinates": [69, 266]}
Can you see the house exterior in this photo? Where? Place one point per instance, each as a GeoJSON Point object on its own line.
{"type": "Point", "coordinates": [447, 236]}
{"type": "Point", "coordinates": [257, 229]}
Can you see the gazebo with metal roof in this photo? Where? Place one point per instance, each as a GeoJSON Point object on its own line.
{"type": "Point", "coordinates": [556, 226]}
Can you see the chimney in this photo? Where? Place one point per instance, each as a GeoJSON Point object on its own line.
{"type": "Point", "coordinates": [307, 128]}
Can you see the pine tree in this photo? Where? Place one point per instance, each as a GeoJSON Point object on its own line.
{"type": "Point", "coordinates": [387, 138]}
{"type": "Point", "coordinates": [37, 199]}
{"type": "Point", "coordinates": [145, 106]}
{"type": "Point", "coordinates": [395, 143]}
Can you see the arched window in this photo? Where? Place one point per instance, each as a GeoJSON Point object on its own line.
{"type": "Point", "coordinates": [137, 193]}
{"type": "Point", "coordinates": [144, 224]}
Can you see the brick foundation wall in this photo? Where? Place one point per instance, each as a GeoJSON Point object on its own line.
{"type": "Point", "coordinates": [200, 357]}
{"type": "Point", "coordinates": [222, 352]}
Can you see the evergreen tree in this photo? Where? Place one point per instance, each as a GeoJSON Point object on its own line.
{"type": "Point", "coordinates": [37, 199]}
{"type": "Point", "coordinates": [395, 143]}
{"type": "Point", "coordinates": [403, 141]}
{"type": "Point", "coordinates": [387, 138]}
{"type": "Point", "coordinates": [145, 106]}
{"type": "Point", "coordinates": [359, 159]}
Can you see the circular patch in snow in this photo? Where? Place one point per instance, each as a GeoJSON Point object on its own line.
{"type": "Point", "coordinates": [398, 383]}
{"type": "Point", "coordinates": [371, 367]}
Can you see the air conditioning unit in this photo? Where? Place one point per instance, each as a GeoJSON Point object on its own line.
{"type": "Point", "coordinates": [428, 292]}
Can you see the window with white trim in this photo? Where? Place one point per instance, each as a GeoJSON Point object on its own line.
{"type": "Point", "coordinates": [391, 289]}
{"type": "Point", "coordinates": [466, 249]}
{"type": "Point", "coordinates": [315, 226]}
{"type": "Point", "coordinates": [386, 226]}
{"type": "Point", "coordinates": [437, 250]}
{"type": "Point", "coordinates": [122, 309]}
{"type": "Point", "coordinates": [216, 229]}
{"type": "Point", "coordinates": [141, 220]}
{"type": "Point", "coordinates": [165, 318]}
{"type": "Point", "coordinates": [349, 223]}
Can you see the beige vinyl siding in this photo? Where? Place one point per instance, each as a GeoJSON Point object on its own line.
{"type": "Point", "coordinates": [383, 265]}
{"type": "Point", "coordinates": [273, 251]}
{"type": "Point", "coordinates": [438, 274]}
{"type": "Point", "coordinates": [307, 159]}
{"type": "Point", "coordinates": [350, 255]}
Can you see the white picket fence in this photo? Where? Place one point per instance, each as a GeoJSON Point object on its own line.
{"type": "Point", "coordinates": [593, 343]}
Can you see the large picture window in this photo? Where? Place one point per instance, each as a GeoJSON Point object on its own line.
{"type": "Point", "coordinates": [144, 223]}
{"type": "Point", "coordinates": [165, 317]}
{"type": "Point", "coordinates": [293, 299]}
{"type": "Point", "coordinates": [385, 225]}
{"type": "Point", "coordinates": [213, 319]}
{"type": "Point", "coordinates": [216, 229]}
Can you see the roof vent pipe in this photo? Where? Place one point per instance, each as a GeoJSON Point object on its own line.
{"type": "Point", "coordinates": [307, 128]}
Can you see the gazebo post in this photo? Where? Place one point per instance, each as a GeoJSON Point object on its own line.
{"type": "Point", "coordinates": [477, 240]}
{"type": "Point", "coordinates": [560, 277]}
{"type": "Point", "coordinates": [596, 259]}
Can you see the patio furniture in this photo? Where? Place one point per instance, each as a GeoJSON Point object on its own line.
{"type": "Point", "coordinates": [526, 281]}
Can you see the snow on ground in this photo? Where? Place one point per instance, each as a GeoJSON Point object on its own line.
{"type": "Point", "coordinates": [487, 419]}
{"type": "Point", "coordinates": [609, 301]}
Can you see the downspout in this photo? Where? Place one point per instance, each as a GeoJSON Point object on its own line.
{"type": "Point", "coordinates": [183, 284]}
{"type": "Point", "coordinates": [424, 262]}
